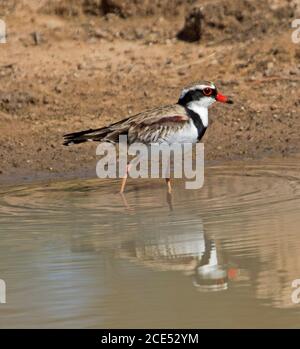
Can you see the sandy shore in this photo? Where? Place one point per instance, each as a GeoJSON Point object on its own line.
{"type": "Point", "coordinates": [62, 71]}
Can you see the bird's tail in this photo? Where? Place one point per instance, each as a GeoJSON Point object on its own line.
{"type": "Point", "coordinates": [85, 136]}
{"type": "Point", "coordinates": [110, 134]}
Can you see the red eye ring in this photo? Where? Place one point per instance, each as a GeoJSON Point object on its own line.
{"type": "Point", "coordinates": [207, 91]}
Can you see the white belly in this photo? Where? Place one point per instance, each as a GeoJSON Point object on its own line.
{"type": "Point", "coordinates": [188, 134]}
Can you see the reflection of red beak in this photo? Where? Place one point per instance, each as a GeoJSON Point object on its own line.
{"type": "Point", "coordinates": [232, 273]}
{"type": "Point", "coordinates": [223, 99]}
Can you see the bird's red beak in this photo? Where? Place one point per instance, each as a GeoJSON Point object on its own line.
{"type": "Point", "coordinates": [223, 99]}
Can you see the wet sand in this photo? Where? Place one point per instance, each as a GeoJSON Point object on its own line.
{"type": "Point", "coordinates": [88, 69]}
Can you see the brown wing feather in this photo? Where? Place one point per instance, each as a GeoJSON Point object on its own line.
{"type": "Point", "coordinates": [148, 126]}
{"type": "Point", "coordinates": [155, 125]}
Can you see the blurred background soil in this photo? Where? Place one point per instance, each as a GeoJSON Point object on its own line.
{"type": "Point", "coordinates": [77, 64]}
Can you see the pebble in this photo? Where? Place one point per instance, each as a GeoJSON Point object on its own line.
{"type": "Point", "coordinates": [36, 38]}
{"type": "Point", "coordinates": [101, 34]}
{"type": "Point", "coordinates": [58, 89]}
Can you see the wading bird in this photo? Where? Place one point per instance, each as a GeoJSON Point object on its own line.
{"type": "Point", "coordinates": [183, 122]}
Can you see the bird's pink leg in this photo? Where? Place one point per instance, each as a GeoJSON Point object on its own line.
{"type": "Point", "coordinates": [124, 179]}
{"type": "Point", "coordinates": [168, 181]}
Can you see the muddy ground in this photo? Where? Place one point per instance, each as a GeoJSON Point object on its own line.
{"type": "Point", "coordinates": [77, 64]}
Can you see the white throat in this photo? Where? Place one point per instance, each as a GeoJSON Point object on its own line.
{"type": "Point", "coordinates": [200, 110]}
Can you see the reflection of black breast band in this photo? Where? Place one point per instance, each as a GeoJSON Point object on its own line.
{"type": "Point", "coordinates": [207, 253]}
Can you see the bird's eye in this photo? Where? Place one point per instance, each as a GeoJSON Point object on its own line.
{"type": "Point", "coordinates": [207, 91]}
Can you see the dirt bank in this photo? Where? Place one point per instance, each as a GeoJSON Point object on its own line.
{"type": "Point", "coordinates": [71, 65]}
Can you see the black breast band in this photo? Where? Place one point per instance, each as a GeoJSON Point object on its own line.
{"type": "Point", "coordinates": [197, 122]}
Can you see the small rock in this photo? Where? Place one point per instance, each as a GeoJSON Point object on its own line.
{"type": "Point", "coordinates": [101, 34]}
{"type": "Point", "coordinates": [58, 89]}
{"type": "Point", "coordinates": [45, 100]}
{"type": "Point", "coordinates": [36, 38]}
{"type": "Point", "coordinates": [139, 34]}
{"type": "Point", "coordinates": [293, 72]}
{"type": "Point", "coordinates": [192, 30]}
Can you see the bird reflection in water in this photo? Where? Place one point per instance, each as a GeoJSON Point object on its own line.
{"type": "Point", "coordinates": [189, 249]}
{"type": "Point", "coordinates": [173, 241]}
{"type": "Point", "coordinates": [191, 252]}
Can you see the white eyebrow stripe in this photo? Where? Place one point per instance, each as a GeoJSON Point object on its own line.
{"type": "Point", "coordinates": [196, 87]}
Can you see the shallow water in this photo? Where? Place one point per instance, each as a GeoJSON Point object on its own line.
{"type": "Point", "coordinates": [76, 254]}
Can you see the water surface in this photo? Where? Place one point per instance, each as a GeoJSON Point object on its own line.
{"type": "Point", "coordinates": [76, 254]}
